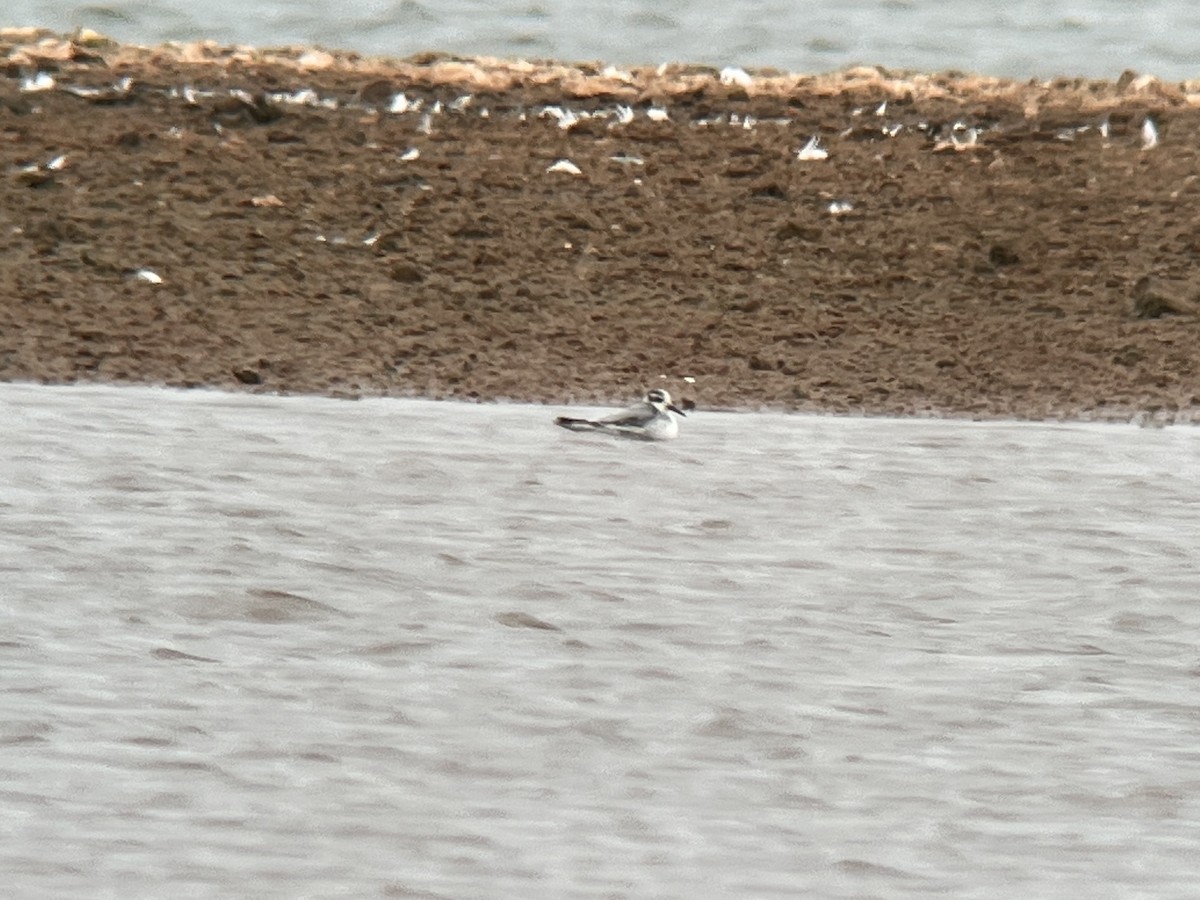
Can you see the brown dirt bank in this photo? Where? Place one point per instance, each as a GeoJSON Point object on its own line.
{"type": "Point", "coordinates": [301, 247]}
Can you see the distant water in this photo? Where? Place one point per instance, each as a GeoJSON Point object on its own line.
{"type": "Point", "coordinates": [1023, 38]}
{"type": "Point", "coordinates": [297, 647]}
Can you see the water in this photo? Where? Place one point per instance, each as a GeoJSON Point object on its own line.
{"type": "Point", "coordinates": [1027, 38]}
{"type": "Point", "coordinates": [290, 647]}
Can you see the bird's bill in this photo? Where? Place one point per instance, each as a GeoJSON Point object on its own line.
{"type": "Point", "coordinates": [675, 409]}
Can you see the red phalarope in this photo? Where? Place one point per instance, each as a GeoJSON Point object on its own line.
{"type": "Point", "coordinates": [650, 420]}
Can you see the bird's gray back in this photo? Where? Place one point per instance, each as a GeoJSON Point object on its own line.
{"type": "Point", "coordinates": [636, 416]}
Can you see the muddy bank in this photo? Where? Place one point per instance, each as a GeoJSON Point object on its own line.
{"type": "Point", "coordinates": [306, 221]}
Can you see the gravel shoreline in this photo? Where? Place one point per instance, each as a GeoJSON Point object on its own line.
{"type": "Point", "coordinates": [306, 221]}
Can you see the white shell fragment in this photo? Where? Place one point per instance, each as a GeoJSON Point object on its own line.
{"type": "Point", "coordinates": [148, 275]}
{"type": "Point", "coordinates": [401, 104]}
{"type": "Point", "coordinates": [32, 174]}
{"type": "Point", "coordinates": [626, 160]}
{"type": "Point", "coordinates": [658, 114]}
{"type": "Point", "coordinates": [117, 91]}
{"type": "Point", "coordinates": [736, 75]}
{"type": "Point", "coordinates": [812, 150]}
{"type": "Point", "coordinates": [42, 81]}
{"type": "Point", "coordinates": [961, 138]}
{"type": "Point", "coordinates": [624, 115]}
{"type": "Point", "coordinates": [59, 162]}
{"type": "Point", "coordinates": [410, 154]}
{"type": "Point", "coordinates": [316, 59]}
{"type": "Point", "coordinates": [565, 166]}
{"type": "Point", "coordinates": [1149, 134]}
{"type": "Point", "coordinates": [840, 207]}
{"type": "Point", "coordinates": [300, 97]}
{"type": "Point", "coordinates": [566, 118]}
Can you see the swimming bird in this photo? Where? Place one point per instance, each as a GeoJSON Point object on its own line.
{"type": "Point", "coordinates": [650, 420]}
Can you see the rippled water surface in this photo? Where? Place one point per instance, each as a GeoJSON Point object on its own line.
{"type": "Point", "coordinates": [1017, 38]}
{"type": "Point", "coordinates": [294, 647]}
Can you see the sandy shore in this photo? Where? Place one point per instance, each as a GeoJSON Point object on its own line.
{"type": "Point", "coordinates": [307, 221]}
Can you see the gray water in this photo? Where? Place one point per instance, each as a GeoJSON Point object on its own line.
{"type": "Point", "coordinates": [297, 647]}
{"type": "Point", "coordinates": [1025, 38]}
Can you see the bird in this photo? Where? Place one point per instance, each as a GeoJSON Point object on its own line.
{"type": "Point", "coordinates": [649, 420]}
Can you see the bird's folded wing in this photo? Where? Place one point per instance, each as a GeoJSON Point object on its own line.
{"type": "Point", "coordinates": [634, 417]}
